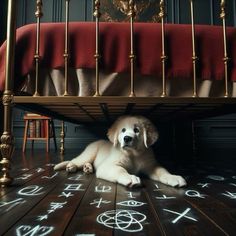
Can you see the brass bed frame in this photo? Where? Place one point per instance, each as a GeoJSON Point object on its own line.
{"type": "Point", "coordinates": [104, 108]}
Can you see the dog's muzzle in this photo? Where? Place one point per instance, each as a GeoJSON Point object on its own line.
{"type": "Point", "coordinates": [128, 140]}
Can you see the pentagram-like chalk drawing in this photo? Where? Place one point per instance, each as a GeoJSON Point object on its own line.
{"type": "Point", "coordinates": [131, 203]}
{"type": "Point", "coordinates": [124, 220]}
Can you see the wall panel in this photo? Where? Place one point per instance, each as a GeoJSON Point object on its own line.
{"type": "Point", "coordinates": [178, 11]}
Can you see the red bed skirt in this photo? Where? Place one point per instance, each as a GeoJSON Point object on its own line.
{"type": "Point", "coordinates": [115, 49]}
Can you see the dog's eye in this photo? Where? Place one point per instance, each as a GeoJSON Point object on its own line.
{"type": "Point", "coordinates": [136, 130]}
{"type": "Point", "coordinates": [123, 130]}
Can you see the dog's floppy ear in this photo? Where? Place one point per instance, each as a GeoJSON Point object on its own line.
{"type": "Point", "coordinates": [150, 134]}
{"type": "Point", "coordinates": [112, 134]}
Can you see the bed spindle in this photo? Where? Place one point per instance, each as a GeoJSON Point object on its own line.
{"type": "Point", "coordinates": [7, 140]}
{"type": "Point", "coordinates": [194, 57]}
{"type": "Point", "coordinates": [97, 55]}
{"type": "Point", "coordinates": [131, 14]}
{"type": "Point", "coordinates": [38, 15]}
{"type": "Point", "coordinates": [225, 58]}
{"type": "Point", "coordinates": [163, 54]}
{"type": "Point", "coordinates": [62, 135]}
{"type": "Point", "coordinates": [66, 52]}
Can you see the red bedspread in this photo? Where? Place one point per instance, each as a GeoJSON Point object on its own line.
{"type": "Point", "coordinates": [115, 47]}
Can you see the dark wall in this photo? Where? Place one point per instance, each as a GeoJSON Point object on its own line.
{"type": "Point", "coordinates": [3, 20]}
{"type": "Point", "coordinates": [178, 11]}
{"type": "Point", "coordinates": [53, 10]}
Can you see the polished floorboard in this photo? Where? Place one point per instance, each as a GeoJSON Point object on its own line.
{"type": "Point", "coordinates": [43, 202]}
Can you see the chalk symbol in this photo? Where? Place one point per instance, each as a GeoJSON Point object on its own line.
{"type": "Point", "coordinates": [24, 176]}
{"type": "Point", "coordinates": [102, 188]}
{"type": "Point", "coordinates": [39, 170]}
{"type": "Point", "coordinates": [85, 235]}
{"type": "Point", "coordinates": [76, 178]}
{"type": "Point", "coordinates": [131, 203]}
{"type": "Point", "coordinates": [99, 202]}
{"type": "Point", "coordinates": [63, 194]}
{"type": "Point", "coordinates": [216, 177]}
{"type": "Point", "coordinates": [194, 193]}
{"type": "Point", "coordinates": [164, 197]}
{"type": "Point", "coordinates": [32, 190]}
{"type": "Point", "coordinates": [130, 195]}
{"type": "Point", "coordinates": [25, 230]}
{"type": "Point", "coordinates": [49, 177]}
{"type": "Point", "coordinates": [56, 205]}
{"type": "Point", "coordinates": [205, 185]}
{"type": "Point", "coordinates": [74, 187]}
{"type": "Point", "coordinates": [11, 204]}
{"type": "Point", "coordinates": [125, 220]}
{"type": "Point", "coordinates": [181, 215]}
{"type": "Point", "coordinates": [230, 195]}
{"type": "Point", "coordinates": [157, 188]}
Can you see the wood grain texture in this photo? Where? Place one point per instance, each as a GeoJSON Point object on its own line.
{"type": "Point", "coordinates": [42, 201]}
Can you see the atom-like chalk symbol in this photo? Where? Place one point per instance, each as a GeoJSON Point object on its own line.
{"type": "Point", "coordinates": [125, 220]}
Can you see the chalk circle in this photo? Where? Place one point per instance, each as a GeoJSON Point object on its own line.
{"type": "Point", "coordinates": [125, 220]}
{"type": "Point", "coordinates": [216, 177]}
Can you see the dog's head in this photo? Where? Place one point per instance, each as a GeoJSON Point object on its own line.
{"type": "Point", "coordinates": [133, 132]}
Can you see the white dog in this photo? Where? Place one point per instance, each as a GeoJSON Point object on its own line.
{"type": "Point", "coordinates": [126, 154]}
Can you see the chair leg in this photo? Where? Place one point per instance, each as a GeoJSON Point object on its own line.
{"type": "Point", "coordinates": [25, 135]}
{"type": "Point", "coordinates": [47, 136]}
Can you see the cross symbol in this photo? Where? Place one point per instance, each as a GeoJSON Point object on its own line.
{"type": "Point", "coordinates": [181, 215]}
{"type": "Point", "coordinates": [99, 202]}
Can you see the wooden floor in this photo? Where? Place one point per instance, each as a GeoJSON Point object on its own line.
{"type": "Point", "coordinates": [44, 202]}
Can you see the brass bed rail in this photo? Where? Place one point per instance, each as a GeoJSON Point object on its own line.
{"type": "Point", "coordinates": [100, 104]}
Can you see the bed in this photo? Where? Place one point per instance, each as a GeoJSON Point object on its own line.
{"type": "Point", "coordinates": [85, 72]}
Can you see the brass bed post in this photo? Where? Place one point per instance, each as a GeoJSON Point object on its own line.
{"type": "Point", "coordinates": [131, 14]}
{"type": "Point", "coordinates": [97, 55]}
{"type": "Point", "coordinates": [62, 135]}
{"type": "Point", "coordinates": [163, 54]}
{"type": "Point", "coordinates": [38, 15]}
{"type": "Point", "coordinates": [7, 146]}
{"type": "Point", "coordinates": [225, 58]}
{"type": "Point", "coordinates": [66, 53]}
{"type": "Point", "coordinates": [194, 57]}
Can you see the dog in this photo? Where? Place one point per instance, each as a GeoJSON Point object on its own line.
{"type": "Point", "coordinates": [127, 153]}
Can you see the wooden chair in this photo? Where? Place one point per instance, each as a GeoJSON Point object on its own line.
{"type": "Point", "coordinates": [38, 127]}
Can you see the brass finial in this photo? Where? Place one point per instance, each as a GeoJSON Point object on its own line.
{"type": "Point", "coordinates": [131, 12]}
{"type": "Point", "coordinates": [222, 7]}
{"type": "Point", "coordinates": [39, 11]}
{"type": "Point", "coordinates": [162, 9]}
{"type": "Point", "coordinates": [97, 12]}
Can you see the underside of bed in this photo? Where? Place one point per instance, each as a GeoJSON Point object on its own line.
{"type": "Point", "coordinates": [107, 109]}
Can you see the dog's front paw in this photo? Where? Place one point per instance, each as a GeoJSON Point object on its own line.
{"type": "Point", "coordinates": [71, 167]}
{"type": "Point", "coordinates": [130, 181]}
{"type": "Point", "coordinates": [173, 180]}
{"type": "Point", "coordinates": [88, 168]}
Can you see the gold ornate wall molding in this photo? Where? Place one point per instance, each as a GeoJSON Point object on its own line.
{"type": "Point", "coordinates": [117, 10]}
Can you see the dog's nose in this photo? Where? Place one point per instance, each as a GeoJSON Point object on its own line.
{"type": "Point", "coordinates": [128, 139]}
